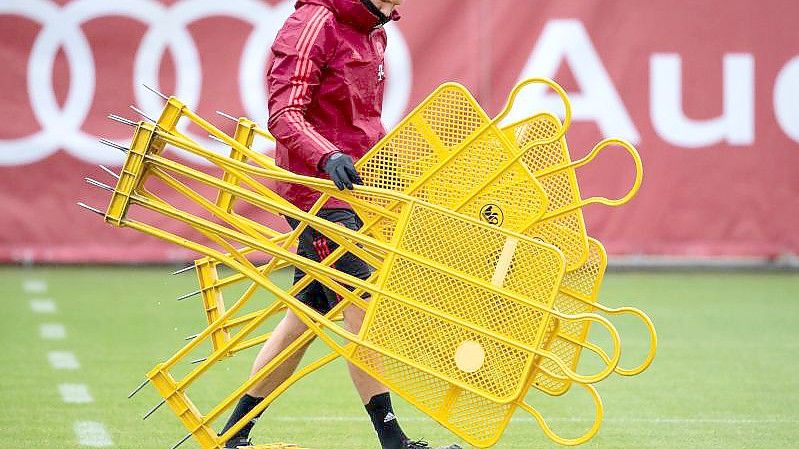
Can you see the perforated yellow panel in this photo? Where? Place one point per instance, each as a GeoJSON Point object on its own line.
{"type": "Point", "coordinates": [565, 231]}
{"type": "Point", "coordinates": [450, 284]}
{"type": "Point", "coordinates": [449, 153]}
{"type": "Point", "coordinates": [443, 153]}
{"type": "Point", "coordinates": [472, 417]}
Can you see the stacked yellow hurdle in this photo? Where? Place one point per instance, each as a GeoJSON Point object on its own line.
{"type": "Point", "coordinates": [485, 281]}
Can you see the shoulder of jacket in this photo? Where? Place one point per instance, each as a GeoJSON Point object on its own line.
{"type": "Point", "coordinates": [311, 16]}
{"type": "Point", "coordinates": [316, 19]}
{"type": "Point", "coordinates": [310, 11]}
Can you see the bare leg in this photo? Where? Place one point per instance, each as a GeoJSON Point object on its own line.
{"type": "Point", "coordinates": [287, 331]}
{"type": "Point", "coordinates": [366, 385]}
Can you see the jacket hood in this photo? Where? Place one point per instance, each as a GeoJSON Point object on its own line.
{"type": "Point", "coordinates": [352, 12]}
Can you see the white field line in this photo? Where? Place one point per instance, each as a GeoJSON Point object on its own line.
{"type": "Point", "coordinates": [668, 420]}
{"type": "Point", "coordinates": [63, 360]}
{"type": "Point", "coordinates": [43, 306]}
{"type": "Point", "coordinates": [52, 331]}
{"type": "Point", "coordinates": [75, 393]}
{"type": "Point", "coordinates": [34, 286]}
{"type": "Point", "coordinates": [92, 434]}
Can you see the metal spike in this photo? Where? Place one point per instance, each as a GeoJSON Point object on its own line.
{"type": "Point", "coordinates": [227, 116]}
{"type": "Point", "coordinates": [213, 137]}
{"type": "Point", "coordinates": [140, 112]}
{"type": "Point", "coordinates": [138, 389]}
{"type": "Point", "coordinates": [155, 92]}
{"type": "Point", "coordinates": [99, 184]}
{"type": "Point", "coordinates": [183, 440]}
{"type": "Point", "coordinates": [109, 171]}
{"type": "Point", "coordinates": [152, 410]}
{"type": "Point", "coordinates": [194, 362]}
{"type": "Point", "coordinates": [183, 270]}
{"type": "Point", "coordinates": [122, 120]}
{"type": "Point", "coordinates": [114, 145]}
{"type": "Point", "coordinates": [189, 295]}
{"type": "Point", "coordinates": [191, 337]}
{"type": "Point", "coordinates": [96, 211]}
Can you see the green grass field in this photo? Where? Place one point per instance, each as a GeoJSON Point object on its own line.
{"type": "Point", "coordinates": [725, 375]}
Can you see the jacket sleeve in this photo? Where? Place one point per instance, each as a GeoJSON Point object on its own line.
{"type": "Point", "coordinates": [298, 55]}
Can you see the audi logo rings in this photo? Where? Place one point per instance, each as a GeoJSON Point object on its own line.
{"type": "Point", "coordinates": [60, 126]}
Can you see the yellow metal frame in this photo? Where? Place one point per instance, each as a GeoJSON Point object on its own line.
{"type": "Point", "coordinates": [400, 209]}
{"type": "Point", "coordinates": [545, 153]}
{"type": "Point", "coordinates": [159, 163]}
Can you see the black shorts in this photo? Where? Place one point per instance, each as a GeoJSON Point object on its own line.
{"type": "Point", "coordinates": [315, 246]}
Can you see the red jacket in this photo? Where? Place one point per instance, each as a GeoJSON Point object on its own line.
{"type": "Point", "coordinates": [325, 83]}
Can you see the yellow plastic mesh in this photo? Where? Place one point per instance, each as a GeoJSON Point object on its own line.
{"type": "Point", "coordinates": [447, 150]}
{"type": "Point", "coordinates": [470, 416]}
{"type": "Point", "coordinates": [432, 342]}
{"type": "Point", "coordinates": [566, 231]}
{"type": "Point", "coordinates": [443, 153]}
{"type": "Point", "coordinates": [579, 288]}
{"type": "Point", "coordinates": [535, 270]}
{"type": "Point", "coordinates": [531, 270]}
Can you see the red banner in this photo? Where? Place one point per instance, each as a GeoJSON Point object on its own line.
{"type": "Point", "coordinates": [708, 91]}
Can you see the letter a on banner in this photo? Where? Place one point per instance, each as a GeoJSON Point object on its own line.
{"type": "Point", "coordinates": [598, 100]}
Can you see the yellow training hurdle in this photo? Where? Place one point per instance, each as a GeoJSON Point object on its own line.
{"type": "Point", "coordinates": [494, 314]}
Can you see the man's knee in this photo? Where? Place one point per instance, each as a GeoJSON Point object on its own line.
{"type": "Point", "coordinates": [353, 317]}
{"type": "Point", "coordinates": [290, 328]}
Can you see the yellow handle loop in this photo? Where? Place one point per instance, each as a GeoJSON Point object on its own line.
{"type": "Point", "coordinates": [653, 337]}
{"type": "Point", "coordinates": [567, 118]}
{"type": "Point", "coordinates": [599, 413]}
{"type": "Point", "coordinates": [611, 362]}
{"type": "Point", "coordinates": [598, 148]}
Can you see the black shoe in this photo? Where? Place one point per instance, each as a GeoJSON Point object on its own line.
{"type": "Point", "coordinates": [422, 444]}
{"type": "Point", "coordinates": [235, 442]}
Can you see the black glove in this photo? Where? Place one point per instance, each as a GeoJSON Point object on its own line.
{"type": "Point", "coordinates": [341, 170]}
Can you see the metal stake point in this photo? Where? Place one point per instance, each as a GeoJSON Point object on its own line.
{"type": "Point", "coordinates": [138, 389]}
{"type": "Point", "coordinates": [183, 440]}
{"type": "Point", "coordinates": [122, 120]}
{"type": "Point", "coordinates": [227, 116]}
{"type": "Point", "coordinates": [194, 362]}
{"type": "Point", "coordinates": [213, 137]}
{"type": "Point", "coordinates": [114, 145]}
{"type": "Point", "coordinates": [191, 337]}
{"type": "Point", "coordinates": [109, 171]}
{"type": "Point", "coordinates": [99, 184]}
{"type": "Point", "coordinates": [189, 295]}
{"type": "Point", "coordinates": [141, 113]}
{"type": "Point", "coordinates": [183, 270]}
{"type": "Point", "coordinates": [153, 90]}
{"type": "Point", "coordinates": [152, 410]}
{"type": "Point", "coordinates": [96, 211]}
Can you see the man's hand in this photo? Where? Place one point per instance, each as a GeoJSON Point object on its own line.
{"type": "Point", "coordinates": [341, 170]}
